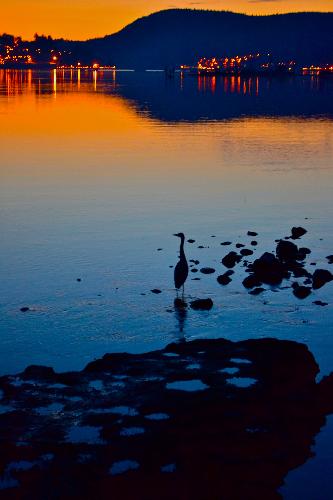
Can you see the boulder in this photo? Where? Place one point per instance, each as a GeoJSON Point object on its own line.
{"type": "Point", "coordinates": [268, 269]}
{"type": "Point", "coordinates": [231, 259]}
{"type": "Point", "coordinates": [320, 278]}
{"type": "Point", "coordinates": [287, 251]}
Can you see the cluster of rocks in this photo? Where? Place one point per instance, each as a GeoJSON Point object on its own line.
{"type": "Point", "coordinates": [271, 269]}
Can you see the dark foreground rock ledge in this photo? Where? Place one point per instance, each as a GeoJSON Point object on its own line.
{"type": "Point", "coordinates": [206, 419]}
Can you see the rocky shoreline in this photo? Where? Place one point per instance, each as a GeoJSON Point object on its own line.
{"type": "Point", "coordinates": [203, 419]}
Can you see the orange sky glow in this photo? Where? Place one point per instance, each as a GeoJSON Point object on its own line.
{"type": "Point", "coordinates": [82, 19]}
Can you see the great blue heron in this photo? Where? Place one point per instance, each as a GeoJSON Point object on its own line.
{"type": "Point", "coordinates": [181, 269]}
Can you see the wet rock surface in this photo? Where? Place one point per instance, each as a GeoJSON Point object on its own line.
{"type": "Point", "coordinates": [231, 419]}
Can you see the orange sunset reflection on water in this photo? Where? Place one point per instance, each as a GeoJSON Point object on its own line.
{"type": "Point", "coordinates": [78, 123]}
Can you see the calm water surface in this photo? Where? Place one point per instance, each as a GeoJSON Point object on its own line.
{"type": "Point", "coordinates": [98, 170]}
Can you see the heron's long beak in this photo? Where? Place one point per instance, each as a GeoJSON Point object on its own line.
{"type": "Point", "coordinates": [176, 235]}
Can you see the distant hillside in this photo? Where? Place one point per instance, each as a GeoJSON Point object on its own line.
{"type": "Point", "coordinates": [173, 37]}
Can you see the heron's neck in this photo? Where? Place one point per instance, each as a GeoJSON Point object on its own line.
{"type": "Point", "coordinates": [181, 251]}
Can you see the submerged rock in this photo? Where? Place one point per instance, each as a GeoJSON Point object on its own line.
{"type": "Point", "coordinates": [330, 259]}
{"type": "Point", "coordinates": [190, 241]}
{"type": "Point", "coordinates": [252, 233]}
{"type": "Point", "coordinates": [156, 291]}
{"type": "Point", "coordinates": [202, 304]}
{"type": "Point", "coordinates": [25, 309]}
{"type": "Point", "coordinates": [226, 243]}
{"type": "Point", "coordinates": [320, 303]}
{"type": "Point", "coordinates": [257, 291]}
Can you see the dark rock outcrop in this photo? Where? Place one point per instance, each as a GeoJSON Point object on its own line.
{"type": "Point", "coordinates": [174, 423]}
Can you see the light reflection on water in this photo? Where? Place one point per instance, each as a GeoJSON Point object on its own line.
{"type": "Point", "coordinates": [98, 170]}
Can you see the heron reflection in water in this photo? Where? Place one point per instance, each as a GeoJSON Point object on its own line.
{"type": "Point", "coordinates": [181, 315]}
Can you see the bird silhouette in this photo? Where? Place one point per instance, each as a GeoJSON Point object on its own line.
{"type": "Point", "coordinates": [181, 269]}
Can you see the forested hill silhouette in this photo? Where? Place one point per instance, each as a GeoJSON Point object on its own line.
{"type": "Point", "coordinates": [180, 36]}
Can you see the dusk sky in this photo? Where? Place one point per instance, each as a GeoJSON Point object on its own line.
{"type": "Point", "coordinates": [81, 19]}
